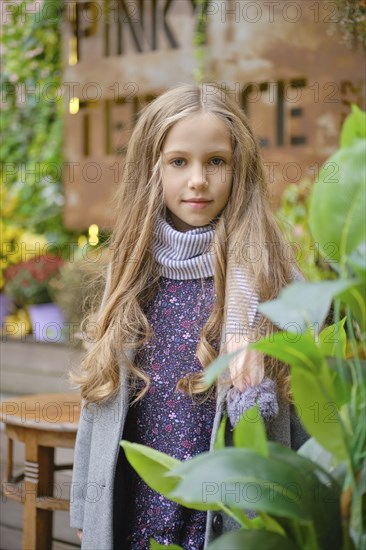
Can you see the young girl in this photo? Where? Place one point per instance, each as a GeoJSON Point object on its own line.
{"type": "Point", "coordinates": [194, 249]}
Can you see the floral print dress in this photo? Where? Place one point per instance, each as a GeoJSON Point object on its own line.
{"type": "Point", "coordinates": [166, 420]}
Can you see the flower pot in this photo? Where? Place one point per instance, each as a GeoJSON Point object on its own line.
{"type": "Point", "coordinates": [47, 322]}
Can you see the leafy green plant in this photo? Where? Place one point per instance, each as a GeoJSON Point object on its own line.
{"type": "Point", "coordinates": [315, 498]}
{"type": "Point", "coordinates": [32, 118]}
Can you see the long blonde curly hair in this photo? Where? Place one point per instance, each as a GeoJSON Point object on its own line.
{"type": "Point", "coordinates": [133, 276]}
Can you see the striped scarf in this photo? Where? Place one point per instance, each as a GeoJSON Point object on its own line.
{"type": "Point", "coordinates": [188, 255]}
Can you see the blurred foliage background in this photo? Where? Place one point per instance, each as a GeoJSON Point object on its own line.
{"type": "Point", "coordinates": [32, 119]}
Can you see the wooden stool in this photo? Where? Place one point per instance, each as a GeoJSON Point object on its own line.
{"type": "Point", "coordinates": [42, 422]}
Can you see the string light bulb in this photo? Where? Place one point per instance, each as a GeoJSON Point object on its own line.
{"type": "Point", "coordinates": [74, 105]}
{"type": "Point", "coordinates": [93, 232]}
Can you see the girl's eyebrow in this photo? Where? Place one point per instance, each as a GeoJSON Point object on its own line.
{"type": "Point", "coordinates": [216, 152]}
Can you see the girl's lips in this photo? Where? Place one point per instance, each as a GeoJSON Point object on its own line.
{"type": "Point", "coordinates": [198, 205]}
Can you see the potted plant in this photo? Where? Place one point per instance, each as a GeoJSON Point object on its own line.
{"type": "Point", "coordinates": [78, 285]}
{"type": "Point", "coordinates": [27, 284]}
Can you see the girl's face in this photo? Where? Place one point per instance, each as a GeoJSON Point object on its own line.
{"type": "Point", "coordinates": [196, 166]}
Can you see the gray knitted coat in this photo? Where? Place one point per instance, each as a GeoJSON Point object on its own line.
{"type": "Point", "coordinates": [96, 451]}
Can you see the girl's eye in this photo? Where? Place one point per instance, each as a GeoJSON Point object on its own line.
{"type": "Point", "coordinates": [219, 163]}
{"type": "Point", "coordinates": [177, 160]}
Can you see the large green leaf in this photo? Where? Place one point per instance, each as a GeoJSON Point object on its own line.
{"type": "Point", "coordinates": [341, 379]}
{"type": "Point", "coordinates": [155, 467]}
{"type": "Point", "coordinates": [304, 353]}
{"type": "Point", "coordinates": [151, 465]}
{"type": "Point", "coordinates": [332, 340]}
{"type": "Point", "coordinates": [325, 490]}
{"type": "Point", "coordinates": [251, 434]}
{"type": "Point", "coordinates": [252, 540]}
{"type": "Point", "coordinates": [319, 412]}
{"type": "Point", "coordinates": [292, 486]}
{"type": "Point", "coordinates": [354, 127]}
{"type": "Point", "coordinates": [293, 349]}
{"type": "Point", "coordinates": [317, 397]}
{"type": "Point", "coordinates": [337, 205]}
{"type": "Point", "coordinates": [242, 478]}
{"type": "Point", "coordinates": [302, 304]}
{"type": "Point", "coordinates": [220, 438]}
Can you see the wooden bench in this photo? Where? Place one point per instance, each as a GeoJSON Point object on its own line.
{"type": "Point", "coordinates": [42, 422]}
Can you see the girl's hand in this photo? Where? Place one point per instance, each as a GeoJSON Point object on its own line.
{"type": "Point", "coordinates": [80, 534]}
{"type": "Point", "coordinates": [247, 368]}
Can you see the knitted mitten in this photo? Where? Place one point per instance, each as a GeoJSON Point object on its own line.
{"type": "Point", "coordinates": [264, 394]}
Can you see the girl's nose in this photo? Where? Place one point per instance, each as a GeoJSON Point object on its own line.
{"type": "Point", "coordinates": [198, 184]}
{"type": "Point", "coordinates": [198, 178]}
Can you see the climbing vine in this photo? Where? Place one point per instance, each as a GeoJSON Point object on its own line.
{"type": "Point", "coordinates": [32, 117]}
